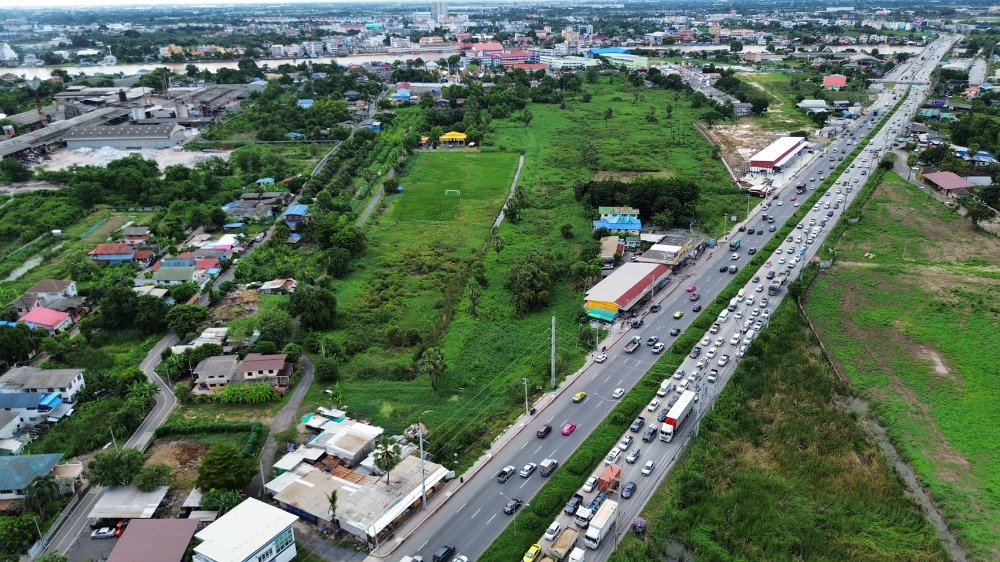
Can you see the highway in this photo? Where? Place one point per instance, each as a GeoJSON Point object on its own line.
{"type": "Point", "coordinates": [473, 516]}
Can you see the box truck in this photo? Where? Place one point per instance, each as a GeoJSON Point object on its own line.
{"type": "Point", "coordinates": [601, 525]}
{"type": "Point", "coordinates": [677, 415]}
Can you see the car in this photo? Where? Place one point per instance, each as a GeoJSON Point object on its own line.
{"type": "Point", "coordinates": [633, 456]}
{"type": "Point", "coordinates": [742, 351]}
{"type": "Point", "coordinates": [528, 470]}
{"type": "Point", "coordinates": [827, 194]}
{"type": "Point", "coordinates": [533, 553]}
{"type": "Point", "coordinates": [589, 485]}
{"type": "Point", "coordinates": [675, 332]}
{"type": "Point", "coordinates": [647, 468]}
{"type": "Point", "coordinates": [812, 178]}
{"type": "Point", "coordinates": [678, 315]}
{"type": "Point", "coordinates": [751, 251]}
{"type": "Point", "coordinates": [714, 329]}
{"type": "Point", "coordinates": [772, 228]}
{"type": "Point", "coordinates": [718, 341]}
{"type": "Point", "coordinates": [600, 358]}
{"type": "Point", "coordinates": [692, 289]}
{"type": "Point", "coordinates": [761, 231]}
{"type": "Point", "coordinates": [796, 204]}
{"type": "Point", "coordinates": [655, 308]}
{"type": "Point", "coordinates": [637, 424]}
{"type": "Point", "coordinates": [755, 279]}
{"type": "Point", "coordinates": [101, 523]}
{"type": "Point", "coordinates": [695, 296]}
{"type": "Point", "coordinates": [793, 198]}
{"type": "Point", "coordinates": [838, 191]}
{"type": "Point", "coordinates": [697, 308]}
{"type": "Point", "coordinates": [626, 442]}
{"type": "Point", "coordinates": [555, 527]}
{"type": "Point", "coordinates": [650, 433]}
{"type": "Point", "coordinates": [652, 405]}
{"type": "Point", "coordinates": [742, 228]}
{"type": "Point", "coordinates": [723, 361]}
{"type": "Point", "coordinates": [447, 552]}
{"type": "Point", "coordinates": [505, 473]}
{"type": "Point", "coordinates": [750, 231]}
{"type": "Point", "coordinates": [764, 301]}
{"type": "Point", "coordinates": [651, 340]}
{"type": "Point", "coordinates": [568, 428]}
{"type": "Point", "coordinates": [706, 341]}
{"type": "Point", "coordinates": [767, 263]}
{"type": "Point", "coordinates": [543, 431]}
{"type": "Point", "coordinates": [781, 261]}
{"type": "Point", "coordinates": [766, 313]}
{"type": "Point", "coordinates": [618, 393]}
{"type": "Point", "coordinates": [658, 348]}
{"type": "Point", "coordinates": [711, 353]}
{"type": "Point", "coordinates": [738, 315]}
{"type": "Point", "coordinates": [759, 289]}
{"type": "Point", "coordinates": [628, 490]}
{"type": "Point", "coordinates": [513, 504]}
{"type": "Point", "coordinates": [579, 396]}
{"type": "Point", "coordinates": [734, 340]}
{"type": "Point", "coordinates": [755, 312]}
{"type": "Point", "coordinates": [779, 251]}
{"type": "Point", "coordinates": [103, 533]}
{"type": "Point", "coordinates": [780, 202]}
{"type": "Point", "coordinates": [829, 213]}
{"type": "Point", "coordinates": [613, 456]}
{"type": "Point", "coordinates": [733, 269]}
{"type": "Point", "coordinates": [789, 239]}
{"type": "Point", "coordinates": [695, 352]}
{"type": "Point", "coordinates": [758, 326]}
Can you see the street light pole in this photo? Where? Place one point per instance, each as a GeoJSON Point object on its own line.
{"type": "Point", "coordinates": [525, 382]}
{"type": "Point", "coordinates": [423, 474]}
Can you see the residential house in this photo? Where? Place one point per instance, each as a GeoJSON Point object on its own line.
{"type": "Point", "coordinates": [52, 321]}
{"type": "Point", "coordinates": [10, 431]}
{"type": "Point", "coordinates": [137, 235]}
{"type": "Point", "coordinates": [76, 307]}
{"type": "Point", "coordinates": [31, 380]}
{"type": "Point", "coordinates": [278, 286]}
{"type": "Point", "coordinates": [608, 213]}
{"type": "Point", "coordinates": [215, 373]}
{"type": "Point", "coordinates": [834, 82]}
{"type": "Point", "coordinates": [252, 531]}
{"type": "Point", "coordinates": [294, 214]}
{"type": "Point", "coordinates": [170, 276]}
{"type": "Point", "coordinates": [17, 472]}
{"type": "Point", "coordinates": [272, 369]}
{"type": "Point", "coordinates": [48, 290]}
{"type": "Point", "coordinates": [743, 109]}
{"type": "Point", "coordinates": [113, 254]}
{"type": "Point", "coordinates": [25, 304]}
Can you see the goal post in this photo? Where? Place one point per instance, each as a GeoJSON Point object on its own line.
{"type": "Point", "coordinates": [452, 192]}
{"type": "Point", "coordinates": [471, 156]}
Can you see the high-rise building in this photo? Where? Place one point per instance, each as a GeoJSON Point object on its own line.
{"type": "Point", "coordinates": [439, 11]}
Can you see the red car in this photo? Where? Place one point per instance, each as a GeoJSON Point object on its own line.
{"type": "Point", "coordinates": [794, 198]}
{"type": "Point", "coordinates": [767, 263]}
{"type": "Point", "coordinates": [692, 289]}
{"type": "Point", "coordinates": [568, 428]}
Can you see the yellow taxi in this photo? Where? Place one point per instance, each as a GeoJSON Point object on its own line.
{"type": "Point", "coordinates": [579, 396]}
{"type": "Point", "coordinates": [532, 553]}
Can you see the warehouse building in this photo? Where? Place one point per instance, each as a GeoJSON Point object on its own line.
{"type": "Point", "coordinates": [777, 154]}
{"type": "Point", "coordinates": [624, 289]}
{"type": "Point", "coordinates": [125, 137]}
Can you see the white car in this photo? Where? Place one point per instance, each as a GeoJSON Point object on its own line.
{"type": "Point", "coordinates": [759, 289]}
{"type": "Point", "coordinates": [742, 351]}
{"type": "Point", "coordinates": [780, 202]}
{"type": "Point", "coordinates": [555, 527]}
{"type": "Point", "coordinates": [750, 300]}
{"type": "Point", "coordinates": [706, 341]}
{"type": "Point", "coordinates": [719, 341]}
{"type": "Point", "coordinates": [600, 358]}
{"type": "Point", "coordinates": [781, 261]}
{"type": "Point", "coordinates": [734, 340]}
{"type": "Point", "coordinates": [738, 315]}
{"type": "Point", "coordinates": [647, 468]}
{"type": "Point", "coordinates": [588, 486]}
{"type": "Point", "coordinates": [755, 312]}
{"type": "Point", "coordinates": [711, 353]}
{"type": "Point", "coordinates": [766, 313]}
{"type": "Point", "coordinates": [652, 405]}
{"type": "Point", "coordinates": [778, 251]}
{"type": "Point", "coordinates": [618, 393]}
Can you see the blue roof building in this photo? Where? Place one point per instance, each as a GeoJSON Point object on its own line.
{"type": "Point", "coordinates": [17, 471]}
{"type": "Point", "coordinates": [628, 223]}
{"type": "Point", "coordinates": [295, 214]}
{"type": "Point", "coordinates": [304, 103]}
{"type": "Point", "coordinates": [598, 51]}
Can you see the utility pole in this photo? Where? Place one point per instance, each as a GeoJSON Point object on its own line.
{"type": "Point", "coordinates": [525, 382]}
{"type": "Point", "coordinates": [113, 440]}
{"type": "Point", "coordinates": [553, 359]}
{"type": "Point", "coordinates": [423, 477]}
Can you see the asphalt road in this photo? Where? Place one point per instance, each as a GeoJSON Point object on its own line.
{"type": "Point", "coordinates": [473, 516]}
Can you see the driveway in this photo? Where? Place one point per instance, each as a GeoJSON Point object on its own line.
{"type": "Point", "coordinates": [284, 419]}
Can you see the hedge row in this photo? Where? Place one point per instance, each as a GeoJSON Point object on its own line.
{"type": "Point", "coordinates": [531, 523]}
{"type": "Point", "coordinates": [255, 430]}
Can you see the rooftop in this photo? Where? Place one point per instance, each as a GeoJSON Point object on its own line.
{"type": "Point", "coordinates": [104, 132]}
{"type": "Point", "coordinates": [50, 286]}
{"type": "Point", "coordinates": [31, 378]}
{"type": "Point", "coordinates": [154, 540]}
{"type": "Point", "coordinates": [44, 317]}
{"type": "Point", "coordinates": [219, 365]}
{"type": "Point", "coordinates": [259, 362]}
{"type": "Point", "coordinates": [240, 532]}
{"type": "Point", "coordinates": [18, 471]}
{"type": "Point", "coordinates": [127, 502]}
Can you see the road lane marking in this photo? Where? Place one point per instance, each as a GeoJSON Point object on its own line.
{"type": "Point", "coordinates": [538, 449]}
{"type": "Point", "coordinates": [491, 519]}
{"type": "Point", "coordinates": [525, 445]}
{"type": "Point", "coordinates": [476, 513]}
{"type": "Point", "coordinates": [423, 545]}
{"type": "Point", "coordinates": [460, 509]}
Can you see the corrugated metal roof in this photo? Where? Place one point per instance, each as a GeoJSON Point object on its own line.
{"type": "Point", "coordinates": [106, 132]}
{"type": "Point", "coordinates": [154, 540]}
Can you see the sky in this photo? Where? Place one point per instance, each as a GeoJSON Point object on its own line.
{"type": "Point", "coordinates": [153, 3]}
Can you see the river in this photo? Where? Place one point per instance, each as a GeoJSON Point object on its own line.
{"type": "Point", "coordinates": [43, 72]}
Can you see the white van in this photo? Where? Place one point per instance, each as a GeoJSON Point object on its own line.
{"type": "Point", "coordinates": [577, 555]}
{"type": "Point", "coordinates": [683, 386]}
{"type": "Point", "coordinates": [664, 388]}
{"type": "Point", "coordinates": [732, 304]}
{"type": "Point", "coordinates": [749, 336]}
{"type": "Point", "coordinates": [741, 294]}
{"type": "Point", "coordinates": [723, 316]}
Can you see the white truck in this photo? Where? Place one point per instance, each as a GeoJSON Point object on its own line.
{"type": "Point", "coordinates": [677, 415]}
{"type": "Point", "coordinates": [601, 524]}
{"type": "Point", "coordinates": [564, 543]}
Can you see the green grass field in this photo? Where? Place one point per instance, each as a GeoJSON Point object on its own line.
{"type": "Point", "coordinates": [915, 330]}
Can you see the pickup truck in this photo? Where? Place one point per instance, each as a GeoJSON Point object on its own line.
{"type": "Point", "coordinates": [633, 344]}
{"type": "Point", "coordinates": [573, 504]}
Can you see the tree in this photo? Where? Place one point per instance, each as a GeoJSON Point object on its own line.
{"type": "Point", "coordinates": [432, 364]}
{"type": "Point", "coordinates": [663, 219]}
{"type": "Point", "coordinates": [475, 293]}
{"type": "Point", "coordinates": [526, 117]}
{"type": "Point", "coordinates": [116, 467]}
{"type": "Point", "coordinates": [153, 476]}
{"type": "Point", "coordinates": [332, 500]}
{"type": "Point", "coordinates": [530, 280]}
{"type": "Point", "coordinates": [497, 243]}
{"type": "Point", "coordinates": [12, 171]}
{"type": "Point", "coordinates": [293, 351]}
{"type": "Point", "coordinates": [566, 230]}
{"type": "Point", "coordinates": [221, 500]}
{"type": "Point", "coordinates": [17, 533]}
{"type": "Point", "coordinates": [590, 157]}
{"type": "Point", "coordinates": [976, 211]}
{"type": "Point", "coordinates": [39, 493]}
{"type": "Point", "coordinates": [607, 116]}
{"type": "Point", "coordinates": [52, 557]}
{"type": "Point", "coordinates": [387, 455]}
{"type": "Point", "coordinates": [276, 325]}
{"type": "Point", "coordinates": [224, 469]}
{"type": "Point", "coordinates": [315, 308]}
{"type": "Point", "coordinates": [736, 46]}
{"type": "Point", "coordinates": [184, 319]}
{"type": "Point", "coordinates": [183, 292]}
{"type": "Point", "coordinates": [326, 369]}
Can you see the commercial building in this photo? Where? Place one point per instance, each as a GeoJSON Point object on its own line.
{"type": "Point", "coordinates": [631, 62]}
{"type": "Point", "coordinates": [625, 288]}
{"type": "Point", "coordinates": [125, 137]}
{"type": "Point", "coordinates": [777, 154]}
{"type": "Point", "coordinates": [251, 532]}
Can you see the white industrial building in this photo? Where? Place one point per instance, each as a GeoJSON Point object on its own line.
{"type": "Point", "coordinates": [251, 532]}
{"type": "Point", "coordinates": [125, 137]}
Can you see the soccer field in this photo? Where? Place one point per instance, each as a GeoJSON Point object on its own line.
{"type": "Point", "coordinates": [444, 186]}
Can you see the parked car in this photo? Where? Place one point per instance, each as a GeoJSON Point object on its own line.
{"type": "Point", "coordinates": [103, 533]}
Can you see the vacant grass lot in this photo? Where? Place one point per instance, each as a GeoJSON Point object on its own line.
{"type": "Point", "coordinates": [782, 115]}
{"type": "Point", "coordinates": [914, 328]}
{"type": "Point", "coordinates": [780, 472]}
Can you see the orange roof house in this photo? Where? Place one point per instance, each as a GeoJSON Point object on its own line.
{"type": "Point", "coordinates": [834, 82]}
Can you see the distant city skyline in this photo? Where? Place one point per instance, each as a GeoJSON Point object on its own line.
{"type": "Point", "coordinates": [187, 3]}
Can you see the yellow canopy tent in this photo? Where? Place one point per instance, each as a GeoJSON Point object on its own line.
{"type": "Point", "coordinates": [453, 137]}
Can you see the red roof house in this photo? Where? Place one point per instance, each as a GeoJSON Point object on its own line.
{"type": "Point", "coordinates": [47, 319]}
{"type": "Point", "coordinates": [834, 82]}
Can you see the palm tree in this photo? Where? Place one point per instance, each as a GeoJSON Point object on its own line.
{"type": "Point", "coordinates": [387, 455]}
{"type": "Point", "coordinates": [332, 498]}
{"type": "Point", "coordinates": [432, 364]}
{"type": "Point", "coordinates": [41, 491]}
